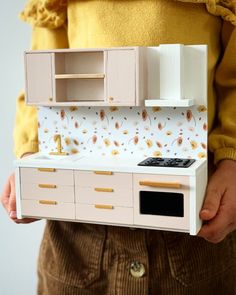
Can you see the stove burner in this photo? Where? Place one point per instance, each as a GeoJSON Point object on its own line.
{"type": "Point", "coordinates": [167, 162]}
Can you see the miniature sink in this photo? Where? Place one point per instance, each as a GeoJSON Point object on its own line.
{"type": "Point", "coordinates": [48, 157]}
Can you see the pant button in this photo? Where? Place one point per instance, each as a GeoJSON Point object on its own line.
{"type": "Point", "coordinates": [137, 269]}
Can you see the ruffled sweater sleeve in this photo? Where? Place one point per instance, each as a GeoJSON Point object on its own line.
{"type": "Point", "coordinates": [51, 14]}
{"type": "Point", "coordinates": [48, 34]}
{"type": "Point", "coordinates": [222, 140]}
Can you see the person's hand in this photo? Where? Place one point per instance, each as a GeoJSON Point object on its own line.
{"type": "Point", "coordinates": [8, 199]}
{"type": "Point", "coordinates": [219, 209]}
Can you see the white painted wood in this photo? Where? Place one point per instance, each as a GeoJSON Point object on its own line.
{"type": "Point", "coordinates": [198, 185]}
{"type": "Point", "coordinates": [18, 193]}
{"type": "Point", "coordinates": [39, 84]}
{"type": "Point", "coordinates": [115, 180]}
{"type": "Point", "coordinates": [169, 103]}
{"type": "Point", "coordinates": [59, 177]}
{"type": "Point", "coordinates": [61, 193]}
{"type": "Point", "coordinates": [121, 76]}
{"type": "Point", "coordinates": [161, 221]}
{"type": "Point", "coordinates": [153, 73]}
{"type": "Point", "coordinates": [32, 208]}
{"type": "Point", "coordinates": [120, 215]}
{"type": "Point", "coordinates": [195, 73]}
{"type": "Point", "coordinates": [80, 76]}
{"type": "Point", "coordinates": [171, 71]}
{"type": "Point", "coordinates": [118, 197]}
{"type": "Point", "coordinates": [115, 164]}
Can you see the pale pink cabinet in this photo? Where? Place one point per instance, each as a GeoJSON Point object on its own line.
{"type": "Point", "coordinates": [91, 77]}
{"type": "Point", "coordinates": [47, 193]}
{"type": "Point", "coordinates": [121, 76]}
{"type": "Point", "coordinates": [39, 84]}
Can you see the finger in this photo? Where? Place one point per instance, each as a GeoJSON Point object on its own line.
{"type": "Point", "coordinates": [211, 204]}
{"type": "Point", "coordinates": [12, 200]}
{"type": "Point", "coordinates": [6, 195]}
{"type": "Point", "coordinates": [217, 228]}
{"type": "Point", "coordinates": [24, 220]}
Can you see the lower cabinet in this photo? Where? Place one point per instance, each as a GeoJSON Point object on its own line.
{"type": "Point", "coordinates": [133, 199]}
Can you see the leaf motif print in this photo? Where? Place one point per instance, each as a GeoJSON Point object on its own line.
{"type": "Point", "coordinates": [158, 143]}
{"type": "Point", "coordinates": [74, 151]}
{"type": "Point", "coordinates": [116, 143]}
{"type": "Point", "coordinates": [201, 108]}
{"type": "Point", "coordinates": [156, 109]}
{"type": "Point", "coordinates": [149, 143]}
{"type": "Point", "coordinates": [94, 139]}
{"type": "Point", "coordinates": [67, 141]}
{"type": "Point", "coordinates": [113, 109]}
{"type": "Point", "coordinates": [76, 142]}
{"type": "Point", "coordinates": [107, 142]}
{"type": "Point", "coordinates": [157, 154]}
{"type": "Point", "coordinates": [194, 144]}
{"type": "Point", "coordinates": [202, 155]}
{"type": "Point", "coordinates": [114, 152]}
{"type": "Point", "coordinates": [190, 117]}
{"type": "Point", "coordinates": [205, 127]}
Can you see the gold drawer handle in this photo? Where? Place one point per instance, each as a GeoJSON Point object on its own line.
{"type": "Point", "coordinates": [161, 184]}
{"type": "Point", "coordinates": [47, 186]}
{"type": "Point", "coordinates": [104, 190]}
{"type": "Point", "coordinates": [109, 207]}
{"type": "Point", "coordinates": [47, 169]}
{"type": "Point", "coordinates": [103, 172]}
{"type": "Point", "coordinates": [46, 202]}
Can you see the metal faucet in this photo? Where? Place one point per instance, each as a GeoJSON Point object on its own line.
{"type": "Point", "coordinates": [57, 139]}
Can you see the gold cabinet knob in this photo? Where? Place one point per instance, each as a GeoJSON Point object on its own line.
{"type": "Point", "coordinates": [50, 98]}
{"type": "Point", "coordinates": [111, 98]}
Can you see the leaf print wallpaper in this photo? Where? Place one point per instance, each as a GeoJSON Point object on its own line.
{"type": "Point", "coordinates": [125, 131]}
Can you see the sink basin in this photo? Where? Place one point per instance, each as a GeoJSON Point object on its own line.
{"type": "Point", "coordinates": [48, 157]}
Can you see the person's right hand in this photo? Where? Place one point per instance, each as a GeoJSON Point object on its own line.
{"type": "Point", "coordinates": [8, 199]}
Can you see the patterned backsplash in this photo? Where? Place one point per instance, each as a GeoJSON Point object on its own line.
{"type": "Point", "coordinates": [125, 131]}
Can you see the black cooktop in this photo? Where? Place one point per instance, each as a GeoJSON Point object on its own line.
{"type": "Point", "coordinates": [167, 162]}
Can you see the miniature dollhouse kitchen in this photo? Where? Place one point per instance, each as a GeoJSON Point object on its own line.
{"type": "Point", "coordinates": [122, 136]}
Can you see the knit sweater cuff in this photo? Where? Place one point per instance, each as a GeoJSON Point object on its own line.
{"type": "Point", "coordinates": [224, 153]}
{"type": "Point", "coordinates": [29, 147]}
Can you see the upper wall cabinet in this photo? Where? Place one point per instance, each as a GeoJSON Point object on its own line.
{"type": "Point", "coordinates": [84, 77]}
{"type": "Point", "coordinates": [167, 75]}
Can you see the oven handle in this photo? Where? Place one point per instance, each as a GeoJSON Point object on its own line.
{"type": "Point", "coordinates": [160, 184]}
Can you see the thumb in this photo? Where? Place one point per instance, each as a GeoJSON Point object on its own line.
{"type": "Point", "coordinates": [211, 204]}
{"type": "Point", "coordinates": [12, 199]}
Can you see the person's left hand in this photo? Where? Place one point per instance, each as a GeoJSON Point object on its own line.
{"type": "Point", "coordinates": [219, 209]}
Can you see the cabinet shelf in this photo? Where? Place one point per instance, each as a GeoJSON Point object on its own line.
{"type": "Point", "coordinates": [169, 102]}
{"type": "Point", "coordinates": [80, 76]}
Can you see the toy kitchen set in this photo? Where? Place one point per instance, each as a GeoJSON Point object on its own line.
{"type": "Point", "coordinates": [122, 136]}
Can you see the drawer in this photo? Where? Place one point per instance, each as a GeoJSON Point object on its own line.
{"type": "Point", "coordinates": [119, 215]}
{"type": "Point", "coordinates": [103, 179]}
{"type": "Point", "coordinates": [45, 175]}
{"type": "Point", "coordinates": [33, 208]}
{"type": "Point", "coordinates": [116, 197]}
{"type": "Point", "coordinates": [60, 193]}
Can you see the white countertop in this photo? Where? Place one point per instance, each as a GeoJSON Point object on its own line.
{"type": "Point", "coordinates": [114, 163]}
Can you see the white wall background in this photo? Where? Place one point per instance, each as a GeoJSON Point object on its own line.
{"type": "Point", "coordinates": [18, 243]}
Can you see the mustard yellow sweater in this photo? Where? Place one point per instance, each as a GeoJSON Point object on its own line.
{"type": "Point", "coordinates": [104, 23]}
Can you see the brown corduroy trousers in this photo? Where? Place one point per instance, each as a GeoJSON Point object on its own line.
{"type": "Point", "coordinates": [85, 259]}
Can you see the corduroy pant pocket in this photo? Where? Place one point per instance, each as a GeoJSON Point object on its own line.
{"type": "Point", "coordinates": [71, 253]}
{"type": "Point", "coordinates": [194, 261]}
